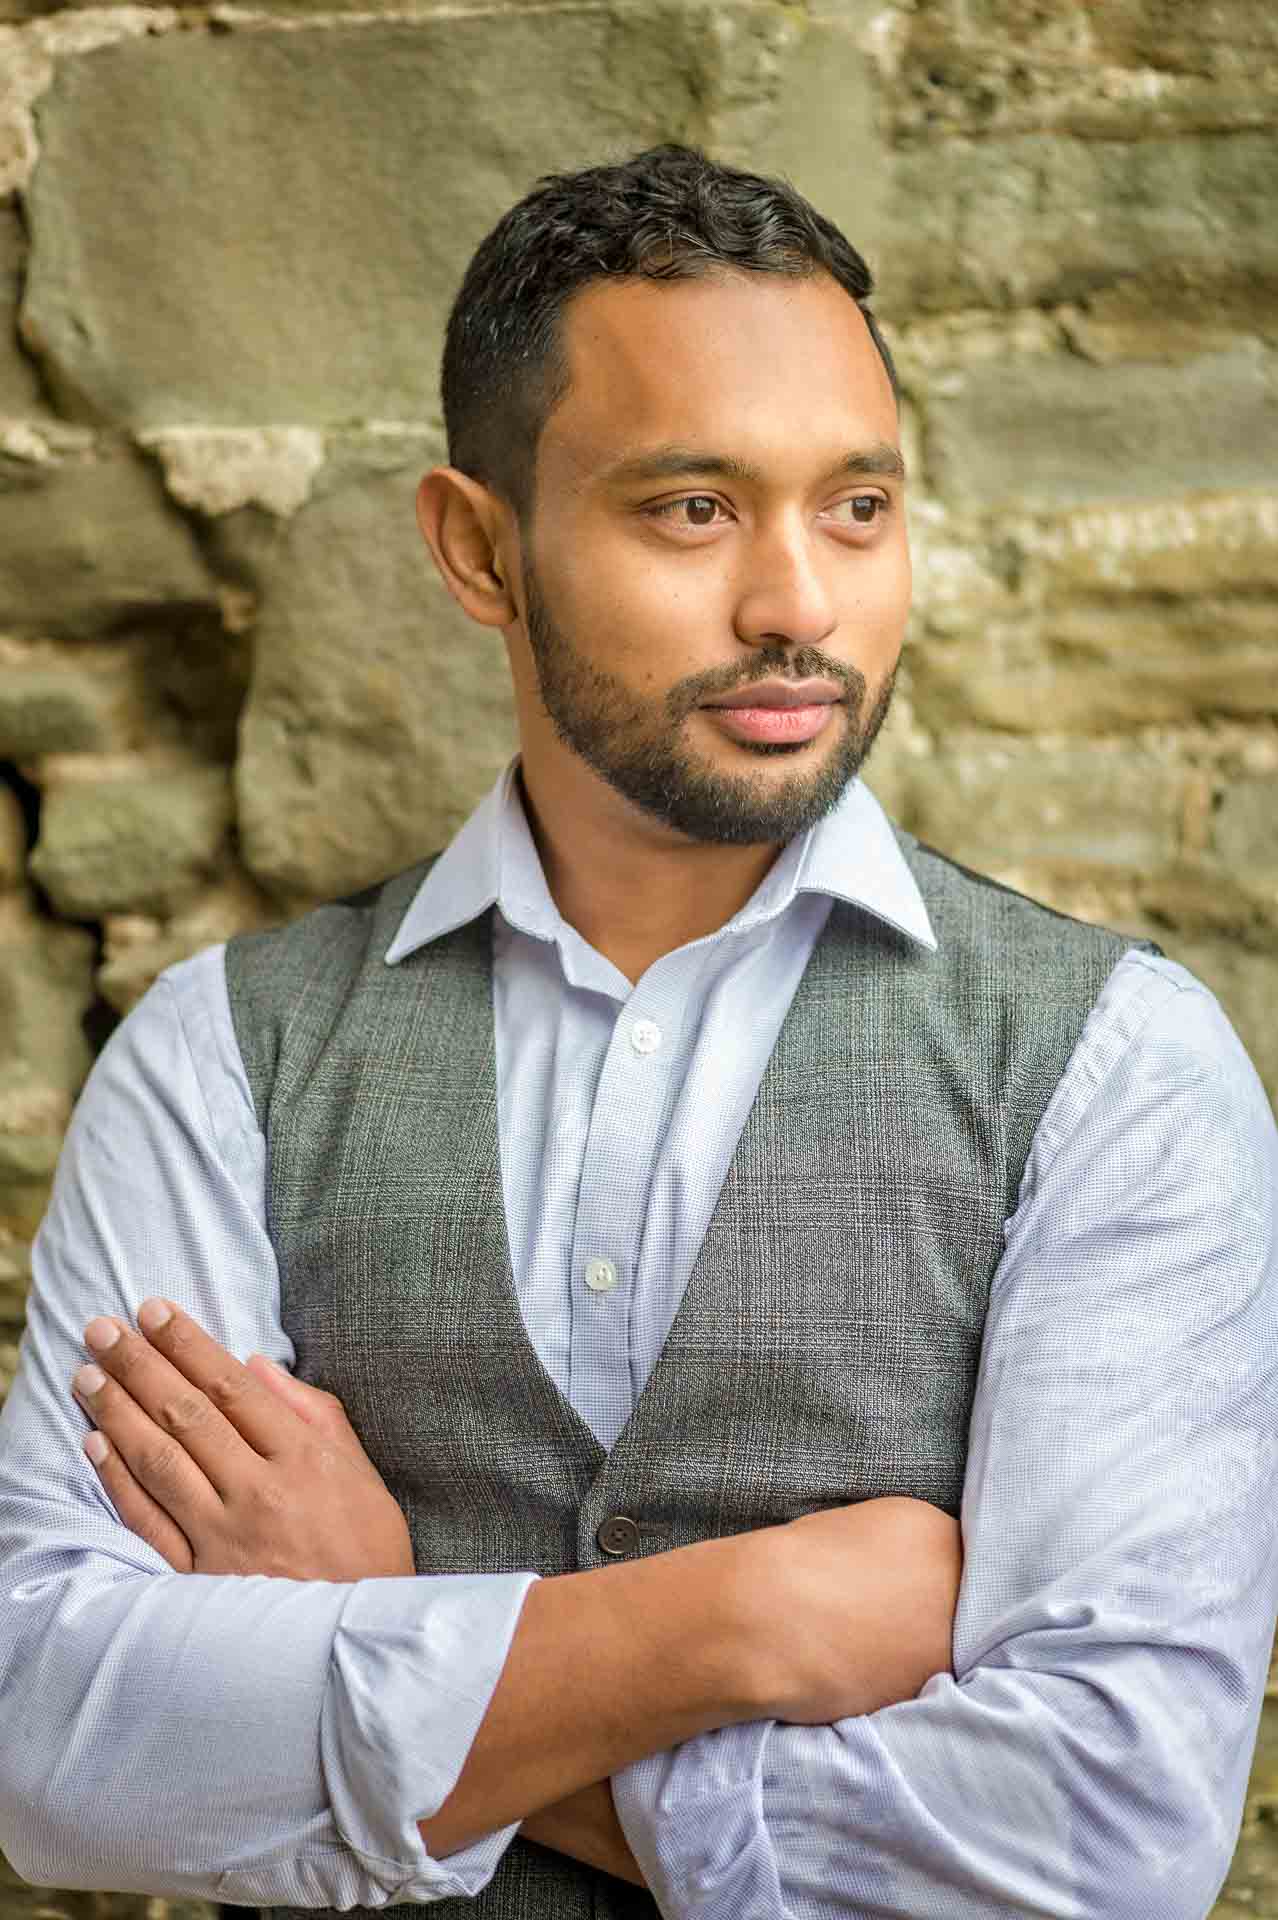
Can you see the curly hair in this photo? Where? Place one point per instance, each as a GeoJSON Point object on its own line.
{"type": "Point", "coordinates": [668, 213]}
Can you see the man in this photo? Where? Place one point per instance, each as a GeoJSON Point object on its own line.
{"type": "Point", "coordinates": [679, 1204]}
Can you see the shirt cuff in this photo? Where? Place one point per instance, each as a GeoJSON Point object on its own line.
{"type": "Point", "coordinates": [694, 1821]}
{"type": "Point", "coordinates": [415, 1664]}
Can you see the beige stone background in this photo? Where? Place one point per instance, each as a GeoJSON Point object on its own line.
{"type": "Point", "coordinates": [230, 681]}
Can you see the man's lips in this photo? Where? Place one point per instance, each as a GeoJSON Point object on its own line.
{"type": "Point", "coordinates": [781, 693]}
{"type": "Point", "coordinates": [775, 712]}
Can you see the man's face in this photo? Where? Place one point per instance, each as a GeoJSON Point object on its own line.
{"type": "Point", "coordinates": [654, 597]}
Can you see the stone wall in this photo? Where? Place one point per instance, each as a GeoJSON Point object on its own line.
{"type": "Point", "coordinates": [230, 681]}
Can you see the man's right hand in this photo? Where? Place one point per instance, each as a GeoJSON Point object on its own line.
{"type": "Point", "coordinates": [858, 1605]}
{"type": "Point", "coordinates": [828, 1616]}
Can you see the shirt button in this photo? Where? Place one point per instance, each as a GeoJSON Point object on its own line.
{"type": "Point", "coordinates": [645, 1036]}
{"type": "Point", "coordinates": [601, 1276]}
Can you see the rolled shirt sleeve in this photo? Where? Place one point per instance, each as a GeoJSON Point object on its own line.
{"type": "Point", "coordinates": [249, 1740]}
{"type": "Point", "coordinates": [1089, 1755]}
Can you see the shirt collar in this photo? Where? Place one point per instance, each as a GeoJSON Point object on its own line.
{"type": "Point", "coordinates": [851, 854]}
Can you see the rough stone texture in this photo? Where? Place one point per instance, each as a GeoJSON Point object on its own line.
{"type": "Point", "coordinates": [27, 62]}
{"type": "Point", "coordinates": [139, 946]}
{"type": "Point", "coordinates": [230, 679]}
{"type": "Point", "coordinates": [217, 471]}
{"type": "Point", "coordinates": [19, 383]}
{"type": "Point", "coordinates": [1100, 669]}
{"type": "Point", "coordinates": [378, 713]}
{"type": "Point", "coordinates": [46, 987]}
{"type": "Point", "coordinates": [65, 699]}
{"type": "Point", "coordinates": [236, 231]}
{"type": "Point", "coordinates": [1029, 219]}
{"type": "Point", "coordinates": [1083, 807]}
{"type": "Point", "coordinates": [145, 839]}
{"type": "Point", "coordinates": [13, 841]}
{"type": "Point", "coordinates": [1058, 431]}
{"type": "Point", "coordinates": [88, 540]}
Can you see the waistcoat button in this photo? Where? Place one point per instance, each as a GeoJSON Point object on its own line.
{"type": "Point", "coordinates": [618, 1536]}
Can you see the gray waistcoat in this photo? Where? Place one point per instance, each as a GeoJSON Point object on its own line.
{"type": "Point", "coordinates": [825, 1350]}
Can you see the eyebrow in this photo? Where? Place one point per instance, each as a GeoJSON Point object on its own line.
{"type": "Point", "coordinates": [880, 461]}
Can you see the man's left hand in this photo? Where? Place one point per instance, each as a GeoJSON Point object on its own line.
{"type": "Point", "coordinates": [226, 1468]}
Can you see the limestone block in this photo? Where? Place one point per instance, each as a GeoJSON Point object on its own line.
{"type": "Point", "coordinates": [19, 386]}
{"type": "Point", "coordinates": [1012, 68]}
{"type": "Point", "coordinates": [801, 97]}
{"type": "Point", "coordinates": [67, 698]}
{"type": "Point", "coordinates": [1168, 35]}
{"type": "Point", "coordinates": [27, 61]}
{"type": "Point", "coordinates": [217, 469]}
{"type": "Point", "coordinates": [46, 988]}
{"type": "Point", "coordinates": [138, 947]}
{"type": "Point", "coordinates": [1199, 543]}
{"type": "Point", "coordinates": [1087, 807]}
{"type": "Point", "coordinates": [13, 841]}
{"type": "Point", "coordinates": [88, 541]}
{"type": "Point", "coordinates": [1245, 829]}
{"type": "Point", "coordinates": [15, 1278]}
{"type": "Point", "coordinates": [144, 840]}
{"type": "Point", "coordinates": [1028, 219]}
{"type": "Point", "coordinates": [303, 201]}
{"type": "Point", "coordinates": [1100, 669]}
{"type": "Point", "coordinates": [1043, 431]}
{"type": "Point", "coordinates": [378, 713]}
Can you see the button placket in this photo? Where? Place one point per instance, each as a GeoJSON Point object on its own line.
{"type": "Point", "coordinates": [622, 1144]}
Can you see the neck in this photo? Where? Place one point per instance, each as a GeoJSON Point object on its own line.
{"type": "Point", "coordinates": [635, 890]}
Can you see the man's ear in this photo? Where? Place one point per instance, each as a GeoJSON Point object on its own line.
{"type": "Point", "coordinates": [461, 522]}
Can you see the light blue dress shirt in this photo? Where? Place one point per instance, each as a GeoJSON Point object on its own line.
{"type": "Point", "coordinates": [274, 1742]}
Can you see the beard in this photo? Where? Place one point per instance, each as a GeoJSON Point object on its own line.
{"type": "Point", "coordinates": [636, 746]}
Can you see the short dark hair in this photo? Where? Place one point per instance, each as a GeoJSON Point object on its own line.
{"type": "Point", "coordinates": [668, 213]}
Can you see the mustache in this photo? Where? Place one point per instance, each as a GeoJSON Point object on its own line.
{"type": "Point", "coordinates": [771, 663]}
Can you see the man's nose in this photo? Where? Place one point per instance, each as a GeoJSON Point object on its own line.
{"type": "Point", "coordinates": [786, 597]}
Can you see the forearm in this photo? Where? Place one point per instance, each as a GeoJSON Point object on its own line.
{"type": "Point", "coordinates": [145, 1697]}
{"type": "Point", "coordinates": [604, 1668]}
{"type": "Point", "coordinates": [1011, 1794]}
{"type": "Point", "coordinates": [161, 1693]}
{"type": "Point", "coordinates": [833, 1614]}
{"type": "Point", "coordinates": [585, 1826]}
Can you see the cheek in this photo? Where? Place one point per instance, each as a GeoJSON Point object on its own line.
{"type": "Point", "coordinates": [635, 618]}
{"type": "Point", "coordinates": [880, 594]}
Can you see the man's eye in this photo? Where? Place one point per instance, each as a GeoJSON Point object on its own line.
{"type": "Point", "coordinates": [668, 508]}
{"type": "Point", "coordinates": [866, 508]}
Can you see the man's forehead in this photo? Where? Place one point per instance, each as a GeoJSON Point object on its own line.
{"type": "Point", "coordinates": [688, 377]}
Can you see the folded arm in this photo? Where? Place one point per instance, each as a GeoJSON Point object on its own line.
{"type": "Point", "coordinates": [348, 1736]}
{"type": "Point", "coordinates": [1089, 1753]}
{"type": "Point", "coordinates": [130, 1696]}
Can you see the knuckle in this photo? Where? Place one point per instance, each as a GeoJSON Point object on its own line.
{"type": "Point", "coordinates": [182, 1412]}
{"type": "Point", "coordinates": [158, 1464]}
{"type": "Point", "coordinates": [226, 1389]}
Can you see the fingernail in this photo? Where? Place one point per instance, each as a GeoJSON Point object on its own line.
{"type": "Point", "coordinates": [101, 1334]}
{"type": "Point", "coordinates": [89, 1380]}
{"type": "Point", "coordinates": [153, 1315]}
{"type": "Point", "coordinates": [96, 1448]}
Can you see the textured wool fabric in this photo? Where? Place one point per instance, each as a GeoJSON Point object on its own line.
{"type": "Point", "coordinates": [342, 1712]}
